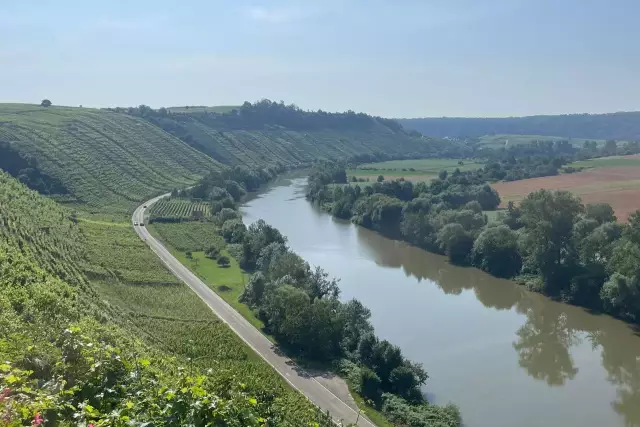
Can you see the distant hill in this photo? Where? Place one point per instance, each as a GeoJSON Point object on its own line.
{"type": "Point", "coordinates": [268, 133]}
{"type": "Point", "coordinates": [94, 158]}
{"type": "Point", "coordinates": [202, 108]}
{"type": "Point", "coordinates": [619, 126]}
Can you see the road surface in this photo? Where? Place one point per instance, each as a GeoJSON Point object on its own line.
{"type": "Point", "coordinates": [304, 383]}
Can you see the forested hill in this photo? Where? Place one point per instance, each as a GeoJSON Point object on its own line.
{"type": "Point", "coordinates": [620, 126]}
{"type": "Point", "coordinates": [268, 133]}
{"type": "Point", "coordinates": [94, 158]}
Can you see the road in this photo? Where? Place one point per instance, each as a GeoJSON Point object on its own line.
{"type": "Point", "coordinates": [304, 383]}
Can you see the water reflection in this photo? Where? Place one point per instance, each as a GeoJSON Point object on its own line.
{"type": "Point", "coordinates": [544, 342]}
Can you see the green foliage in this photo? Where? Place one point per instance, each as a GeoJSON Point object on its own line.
{"type": "Point", "coordinates": [496, 251]}
{"type": "Point", "coordinates": [106, 161]}
{"type": "Point", "coordinates": [176, 210]}
{"type": "Point", "coordinates": [190, 236]}
{"type": "Point", "coordinates": [622, 125]}
{"type": "Point", "coordinates": [269, 133]}
{"type": "Point", "coordinates": [70, 355]}
{"type": "Point", "coordinates": [223, 261]}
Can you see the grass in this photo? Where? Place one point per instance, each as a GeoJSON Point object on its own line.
{"type": "Point", "coordinates": [499, 140]}
{"type": "Point", "coordinates": [108, 161]}
{"type": "Point", "coordinates": [413, 168]}
{"type": "Point", "coordinates": [228, 282]}
{"type": "Point", "coordinates": [607, 162]}
{"type": "Point", "coordinates": [167, 315]}
{"type": "Point", "coordinates": [375, 416]}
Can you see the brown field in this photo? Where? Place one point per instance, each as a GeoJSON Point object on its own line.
{"type": "Point", "coordinates": [617, 185]}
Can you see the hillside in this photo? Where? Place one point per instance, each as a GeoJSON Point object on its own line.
{"type": "Point", "coordinates": [142, 350]}
{"type": "Point", "coordinates": [267, 133]}
{"type": "Point", "coordinates": [99, 160]}
{"type": "Point", "coordinates": [619, 126]}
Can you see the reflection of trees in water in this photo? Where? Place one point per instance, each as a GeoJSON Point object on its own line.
{"type": "Point", "coordinates": [543, 345]}
{"type": "Point", "coordinates": [545, 340]}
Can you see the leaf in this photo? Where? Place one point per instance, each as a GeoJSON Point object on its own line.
{"type": "Point", "coordinates": [253, 401]}
{"type": "Point", "coordinates": [129, 404]}
{"type": "Point", "coordinates": [145, 362]}
{"type": "Point", "coordinates": [5, 368]}
{"type": "Point", "coordinates": [12, 379]}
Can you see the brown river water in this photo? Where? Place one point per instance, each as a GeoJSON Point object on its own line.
{"type": "Point", "coordinates": [507, 357]}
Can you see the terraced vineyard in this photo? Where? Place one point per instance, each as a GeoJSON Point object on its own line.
{"type": "Point", "coordinates": [175, 208]}
{"type": "Point", "coordinates": [264, 134]}
{"type": "Point", "coordinates": [127, 324]}
{"type": "Point", "coordinates": [107, 161]}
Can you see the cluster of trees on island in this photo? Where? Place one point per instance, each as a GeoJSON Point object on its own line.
{"type": "Point", "coordinates": [551, 242]}
{"type": "Point", "coordinates": [300, 307]}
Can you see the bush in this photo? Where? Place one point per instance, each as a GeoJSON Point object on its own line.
{"type": "Point", "coordinates": [369, 385]}
{"type": "Point", "coordinates": [224, 261]}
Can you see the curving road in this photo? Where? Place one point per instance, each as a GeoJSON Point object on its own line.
{"type": "Point", "coordinates": [305, 384]}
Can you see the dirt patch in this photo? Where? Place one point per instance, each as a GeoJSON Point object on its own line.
{"type": "Point", "coordinates": [617, 185]}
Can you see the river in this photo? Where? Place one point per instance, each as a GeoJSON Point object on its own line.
{"type": "Point", "coordinates": [505, 356]}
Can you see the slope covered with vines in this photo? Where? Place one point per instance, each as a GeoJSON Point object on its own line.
{"type": "Point", "coordinates": [103, 161]}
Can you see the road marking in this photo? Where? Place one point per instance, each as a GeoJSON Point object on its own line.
{"type": "Point", "coordinates": [141, 231]}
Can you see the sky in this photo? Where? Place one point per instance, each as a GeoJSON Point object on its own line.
{"type": "Point", "coordinates": [394, 58]}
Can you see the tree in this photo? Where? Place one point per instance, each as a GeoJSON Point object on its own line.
{"type": "Point", "coordinates": [212, 252]}
{"type": "Point", "coordinates": [549, 217]}
{"type": "Point", "coordinates": [370, 385]}
{"type": "Point", "coordinates": [621, 295]}
{"type": "Point", "coordinates": [496, 251]}
{"type": "Point", "coordinates": [601, 212]}
{"type": "Point", "coordinates": [45, 103]}
{"type": "Point", "coordinates": [380, 178]}
{"type": "Point", "coordinates": [224, 261]}
{"type": "Point", "coordinates": [455, 242]}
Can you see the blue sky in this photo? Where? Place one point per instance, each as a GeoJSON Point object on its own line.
{"type": "Point", "coordinates": [396, 58]}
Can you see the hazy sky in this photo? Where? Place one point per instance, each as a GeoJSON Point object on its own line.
{"type": "Point", "coordinates": [396, 58]}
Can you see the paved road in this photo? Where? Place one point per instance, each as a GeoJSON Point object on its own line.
{"type": "Point", "coordinates": [305, 384]}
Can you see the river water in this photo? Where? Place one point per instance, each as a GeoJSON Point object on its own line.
{"type": "Point", "coordinates": [505, 356]}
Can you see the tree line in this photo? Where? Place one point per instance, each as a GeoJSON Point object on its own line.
{"type": "Point", "coordinates": [551, 242]}
{"type": "Point", "coordinates": [300, 306]}
{"type": "Point", "coordinates": [620, 126]}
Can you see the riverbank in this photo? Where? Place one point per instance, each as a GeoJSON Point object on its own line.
{"type": "Point", "coordinates": [486, 342]}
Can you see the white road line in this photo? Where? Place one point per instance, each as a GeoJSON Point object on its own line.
{"type": "Point", "coordinates": [186, 276]}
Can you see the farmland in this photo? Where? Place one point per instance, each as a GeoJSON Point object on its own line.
{"type": "Point", "coordinates": [106, 161]}
{"type": "Point", "coordinates": [613, 180]}
{"type": "Point", "coordinates": [180, 208]}
{"type": "Point", "coordinates": [503, 140]}
{"type": "Point", "coordinates": [413, 169]}
{"type": "Point", "coordinates": [189, 236]}
{"type": "Point", "coordinates": [268, 134]}
{"type": "Point", "coordinates": [101, 288]}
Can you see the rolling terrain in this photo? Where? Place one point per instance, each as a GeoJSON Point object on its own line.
{"type": "Point", "coordinates": [619, 126]}
{"type": "Point", "coordinates": [614, 180]}
{"type": "Point", "coordinates": [87, 310]}
{"type": "Point", "coordinates": [100, 161]}
{"type": "Point", "coordinates": [268, 134]}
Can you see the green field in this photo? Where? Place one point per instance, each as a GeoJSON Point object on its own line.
{"type": "Point", "coordinates": [413, 169]}
{"type": "Point", "coordinates": [180, 208]}
{"type": "Point", "coordinates": [107, 161]}
{"type": "Point", "coordinates": [195, 237]}
{"type": "Point", "coordinates": [607, 162]}
{"type": "Point", "coordinates": [497, 141]}
{"type": "Point", "coordinates": [189, 236]}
